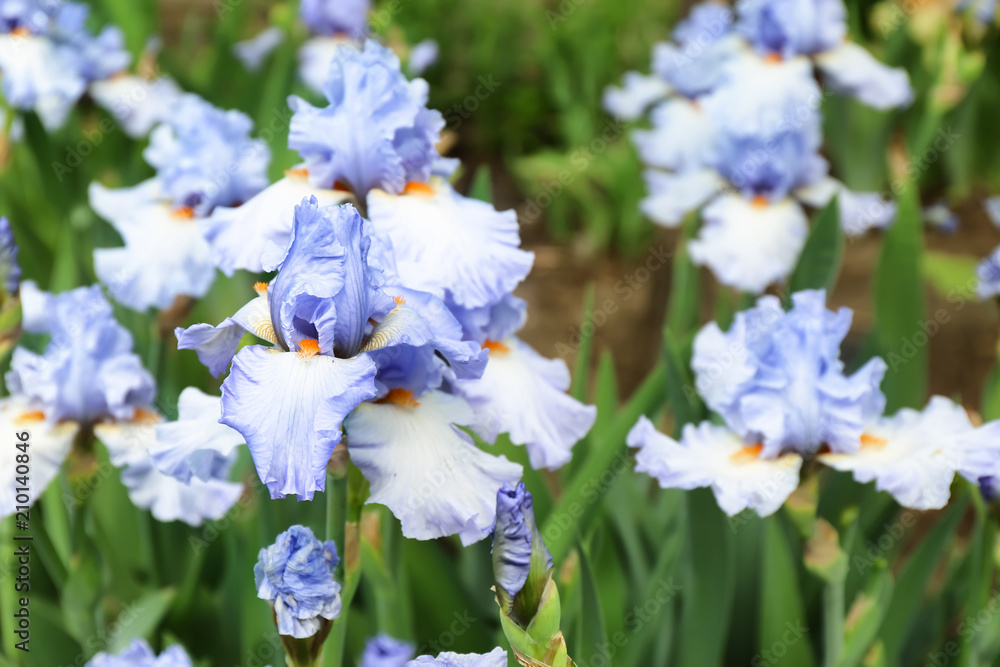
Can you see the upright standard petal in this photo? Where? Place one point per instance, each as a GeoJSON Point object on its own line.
{"type": "Point", "coordinates": [850, 69]}
{"type": "Point", "coordinates": [750, 244]}
{"type": "Point", "coordinates": [196, 445]}
{"type": "Point", "coordinates": [524, 394]}
{"type": "Point", "coordinates": [45, 448]}
{"type": "Point", "coordinates": [204, 156]}
{"type": "Point", "coordinates": [713, 456]}
{"type": "Point", "coordinates": [376, 132]}
{"type": "Point", "coordinates": [792, 27]}
{"type": "Point", "coordinates": [140, 654]}
{"type": "Point", "coordinates": [777, 377]}
{"type": "Point", "coordinates": [459, 249]}
{"type": "Point", "coordinates": [426, 470]}
{"type": "Point", "coordinates": [336, 17]}
{"type": "Point", "coordinates": [913, 455]}
{"type": "Point", "coordinates": [289, 408]}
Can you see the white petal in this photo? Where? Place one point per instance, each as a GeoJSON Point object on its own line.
{"type": "Point", "coordinates": [427, 471]}
{"type": "Point", "coordinates": [681, 138]}
{"type": "Point", "coordinates": [450, 245]}
{"type": "Point", "coordinates": [196, 444]}
{"type": "Point", "coordinates": [47, 448]}
{"type": "Point", "coordinates": [524, 394]}
{"type": "Point", "coordinates": [165, 256]}
{"type": "Point", "coordinates": [749, 246]}
{"type": "Point", "coordinates": [913, 455]}
{"type": "Point", "coordinates": [710, 455]}
{"type": "Point", "coordinates": [169, 499]}
{"type": "Point", "coordinates": [121, 206]}
{"type": "Point", "coordinates": [315, 57]}
{"type": "Point", "coordinates": [672, 196]}
{"type": "Point", "coordinates": [859, 211]}
{"type": "Point", "coordinates": [239, 236]}
{"type": "Point", "coordinates": [635, 96]}
{"type": "Point", "coordinates": [37, 75]}
{"type": "Point", "coordinates": [136, 103]}
{"type": "Point", "coordinates": [127, 442]}
{"type": "Point", "coordinates": [850, 69]}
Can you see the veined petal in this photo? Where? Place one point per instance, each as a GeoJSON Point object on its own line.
{"type": "Point", "coordinates": [196, 445]}
{"type": "Point", "coordinates": [240, 236]}
{"type": "Point", "coordinates": [48, 446]}
{"type": "Point", "coordinates": [216, 345]}
{"type": "Point", "coordinates": [524, 394]}
{"type": "Point", "coordinates": [289, 408]}
{"type": "Point", "coordinates": [671, 196]}
{"type": "Point", "coordinates": [710, 455]}
{"type": "Point", "coordinates": [850, 69]}
{"type": "Point", "coordinates": [913, 455]}
{"type": "Point", "coordinates": [452, 246]}
{"type": "Point", "coordinates": [750, 246]}
{"type": "Point", "coordinates": [424, 469]}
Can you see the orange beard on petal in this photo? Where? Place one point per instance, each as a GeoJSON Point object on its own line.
{"type": "Point", "coordinates": [496, 347]}
{"type": "Point", "coordinates": [401, 397]}
{"type": "Point", "coordinates": [747, 453]}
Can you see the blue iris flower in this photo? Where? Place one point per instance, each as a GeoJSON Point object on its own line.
{"type": "Point", "coordinates": [10, 270]}
{"type": "Point", "coordinates": [376, 131]}
{"type": "Point", "coordinates": [336, 17]}
{"type": "Point", "coordinates": [384, 651]}
{"type": "Point", "coordinates": [517, 543]}
{"type": "Point", "coordinates": [88, 371]}
{"type": "Point", "coordinates": [295, 574]}
{"type": "Point", "coordinates": [140, 654]}
{"type": "Point", "coordinates": [204, 156]}
{"type": "Point", "coordinates": [777, 377]}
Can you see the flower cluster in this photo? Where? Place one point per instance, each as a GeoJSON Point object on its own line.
{"type": "Point", "coordinates": [88, 381]}
{"type": "Point", "coordinates": [776, 380]}
{"type": "Point", "coordinates": [398, 328]}
{"type": "Point", "coordinates": [204, 159]}
{"type": "Point", "coordinates": [736, 129]}
{"type": "Point", "coordinates": [48, 56]}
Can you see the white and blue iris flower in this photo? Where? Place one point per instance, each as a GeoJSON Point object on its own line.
{"type": "Point", "coordinates": [295, 575]}
{"type": "Point", "coordinates": [204, 158]}
{"type": "Point", "coordinates": [48, 57]}
{"type": "Point", "coordinates": [818, 29]}
{"type": "Point", "coordinates": [495, 658]}
{"type": "Point", "coordinates": [777, 379]}
{"type": "Point", "coordinates": [914, 455]}
{"type": "Point", "coordinates": [760, 159]}
{"type": "Point", "coordinates": [326, 315]}
{"type": "Point", "coordinates": [376, 131]}
{"type": "Point", "coordinates": [140, 654]}
{"type": "Point", "coordinates": [385, 651]}
{"type": "Point", "coordinates": [710, 455]}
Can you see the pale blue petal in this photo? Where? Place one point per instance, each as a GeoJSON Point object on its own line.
{"type": "Point", "coordinates": [850, 69]}
{"type": "Point", "coordinates": [384, 651]}
{"type": "Point", "coordinates": [196, 444]}
{"type": "Point", "coordinates": [253, 52]}
{"type": "Point", "coordinates": [496, 658]}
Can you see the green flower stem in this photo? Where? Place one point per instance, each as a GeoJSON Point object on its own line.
{"type": "Point", "coordinates": [833, 622]}
{"type": "Point", "coordinates": [7, 594]}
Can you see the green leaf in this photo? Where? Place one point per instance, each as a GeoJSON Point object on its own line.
{"type": "Point", "coordinates": [820, 261]}
{"type": "Point", "coordinates": [865, 618]}
{"type": "Point", "coordinates": [913, 580]}
{"type": "Point", "coordinates": [685, 286]}
{"type": "Point", "coordinates": [900, 308]}
{"type": "Point", "coordinates": [141, 618]}
{"type": "Point", "coordinates": [781, 607]}
{"type": "Point", "coordinates": [952, 276]}
{"type": "Point", "coordinates": [606, 392]}
{"type": "Point", "coordinates": [684, 400]}
{"type": "Point", "coordinates": [591, 640]}
{"type": "Point", "coordinates": [709, 583]}
{"type": "Point", "coordinates": [482, 186]}
{"type": "Point", "coordinates": [583, 351]}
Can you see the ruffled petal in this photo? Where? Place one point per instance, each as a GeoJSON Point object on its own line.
{"type": "Point", "coordinates": [681, 138]}
{"type": "Point", "coordinates": [495, 658]}
{"type": "Point", "coordinates": [750, 246]}
{"type": "Point", "coordinates": [457, 248]}
{"type": "Point", "coordinates": [850, 69]}
{"type": "Point", "coordinates": [424, 469]}
{"type": "Point", "coordinates": [524, 394]}
{"type": "Point", "coordinates": [136, 104]}
{"type": "Point", "coordinates": [672, 196]}
{"type": "Point", "coordinates": [239, 236]}
{"type": "Point", "coordinates": [196, 445]}
{"type": "Point", "coordinates": [289, 409]}
{"type": "Point", "coordinates": [637, 94]}
{"type": "Point", "coordinates": [710, 455]}
{"type": "Point", "coordinates": [171, 500]}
